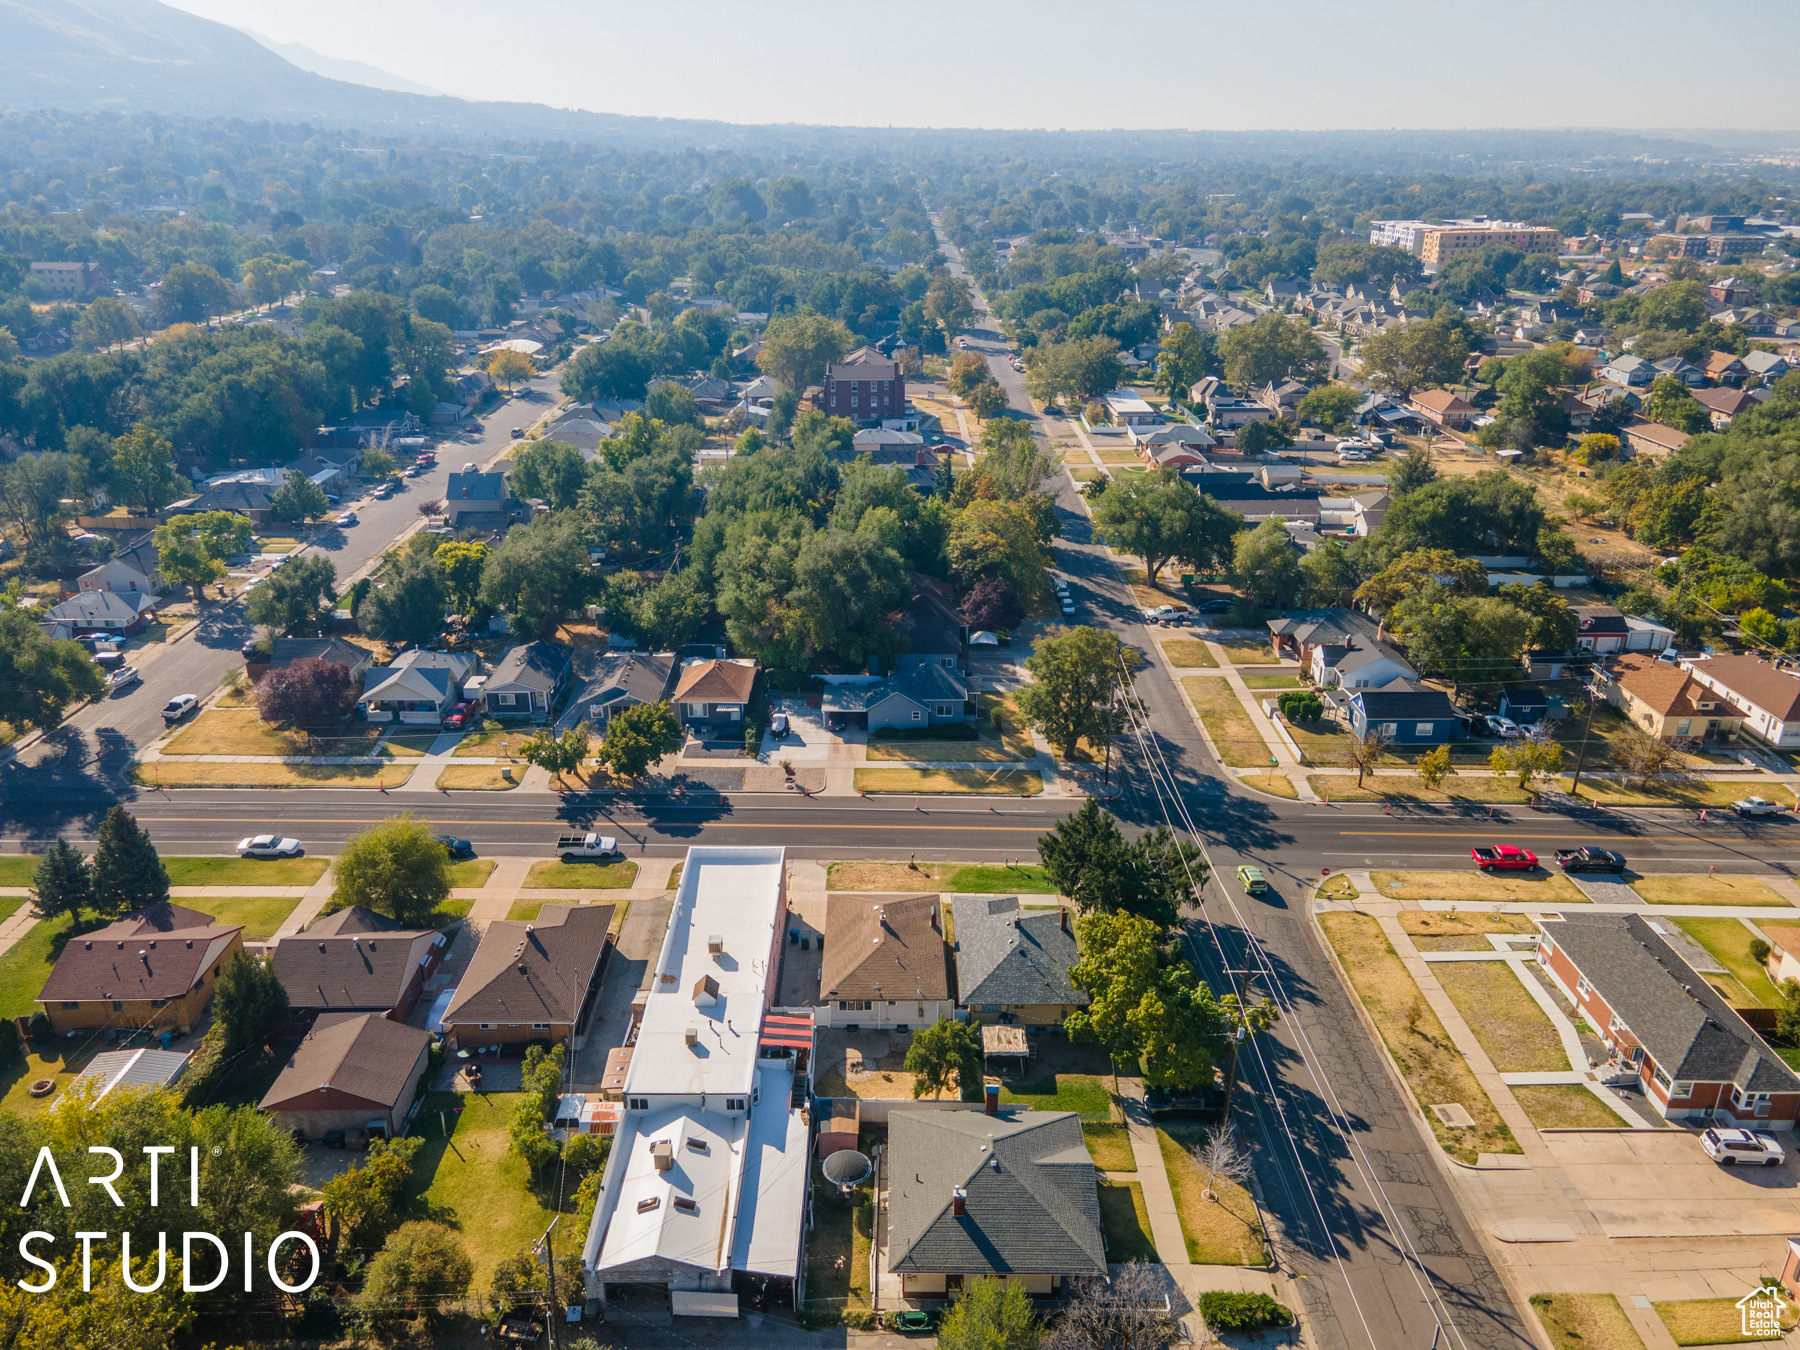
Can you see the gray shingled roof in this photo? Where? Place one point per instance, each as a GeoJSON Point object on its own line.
{"type": "Point", "coordinates": [1404, 699]}
{"type": "Point", "coordinates": [361, 1055]}
{"type": "Point", "coordinates": [1007, 957]}
{"type": "Point", "coordinates": [1031, 1208]}
{"type": "Point", "coordinates": [1316, 626]}
{"type": "Point", "coordinates": [345, 963]}
{"type": "Point", "coordinates": [1676, 1015]}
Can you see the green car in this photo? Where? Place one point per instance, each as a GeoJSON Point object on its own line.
{"type": "Point", "coordinates": [911, 1319]}
{"type": "Point", "coordinates": [1252, 878]}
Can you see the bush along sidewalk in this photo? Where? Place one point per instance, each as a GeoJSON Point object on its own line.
{"type": "Point", "coordinates": [1225, 1310]}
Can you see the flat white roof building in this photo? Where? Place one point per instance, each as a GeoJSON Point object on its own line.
{"type": "Point", "coordinates": [709, 1168]}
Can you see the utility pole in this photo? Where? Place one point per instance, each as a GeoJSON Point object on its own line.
{"type": "Point", "coordinates": [1248, 978]}
{"type": "Point", "coordinates": [549, 1255]}
{"type": "Point", "coordinates": [1581, 758]}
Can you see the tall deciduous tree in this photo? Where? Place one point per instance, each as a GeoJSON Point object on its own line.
{"type": "Point", "coordinates": [1162, 519]}
{"type": "Point", "coordinates": [1273, 347]}
{"type": "Point", "coordinates": [395, 867]}
{"type": "Point", "coordinates": [143, 470]}
{"type": "Point", "coordinates": [538, 573]}
{"type": "Point", "coordinates": [423, 1269]}
{"type": "Point", "coordinates": [40, 676]}
{"type": "Point", "coordinates": [298, 499]}
{"type": "Point", "coordinates": [1074, 693]}
{"type": "Point", "coordinates": [798, 346]}
{"type": "Point", "coordinates": [1414, 353]}
{"type": "Point", "coordinates": [949, 301]}
{"type": "Point", "coordinates": [128, 876]}
{"type": "Point", "coordinates": [1266, 564]}
{"type": "Point", "coordinates": [191, 293]}
{"type": "Point", "coordinates": [1186, 356]}
{"type": "Point", "coordinates": [311, 692]}
{"type": "Point", "coordinates": [290, 598]}
{"type": "Point", "coordinates": [945, 1052]}
{"type": "Point", "coordinates": [551, 471]}
{"type": "Point", "coordinates": [991, 1314]}
{"type": "Point", "coordinates": [32, 492]}
{"type": "Point", "coordinates": [1094, 865]}
{"type": "Point", "coordinates": [640, 737]}
{"type": "Point", "coordinates": [461, 564]}
{"type": "Point", "coordinates": [409, 605]}
{"type": "Point", "coordinates": [509, 367]}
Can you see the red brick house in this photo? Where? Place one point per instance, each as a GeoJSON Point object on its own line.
{"type": "Point", "coordinates": [865, 387]}
{"type": "Point", "coordinates": [1444, 408]}
{"type": "Point", "coordinates": [1696, 1058]}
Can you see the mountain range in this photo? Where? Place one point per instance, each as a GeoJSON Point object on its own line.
{"type": "Point", "coordinates": [338, 68]}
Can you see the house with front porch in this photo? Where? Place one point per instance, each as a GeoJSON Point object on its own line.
{"type": "Point", "coordinates": [1297, 633]}
{"type": "Point", "coordinates": [1008, 1193]}
{"type": "Point", "coordinates": [1012, 966]}
{"type": "Point", "coordinates": [1769, 695]}
{"type": "Point", "coordinates": [1695, 1058]}
{"type": "Point", "coordinates": [1404, 712]}
{"type": "Point", "coordinates": [418, 688]}
{"type": "Point", "coordinates": [921, 692]}
{"type": "Point", "coordinates": [111, 611]}
{"type": "Point", "coordinates": [528, 682]}
{"type": "Point", "coordinates": [715, 691]}
{"type": "Point", "coordinates": [1667, 702]}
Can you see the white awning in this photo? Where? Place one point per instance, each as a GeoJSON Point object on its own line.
{"type": "Point", "coordinates": [685, 1303]}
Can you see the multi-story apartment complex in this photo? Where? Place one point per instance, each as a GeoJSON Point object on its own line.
{"type": "Point", "coordinates": [1446, 241]}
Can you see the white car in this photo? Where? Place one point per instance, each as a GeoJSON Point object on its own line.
{"type": "Point", "coordinates": [1068, 607]}
{"type": "Point", "coordinates": [348, 518]}
{"type": "Point", "coordinates": [1163, 613]}
{"type": "Point", "coordinates": [1728, 1148]}
{"type": "Point", "coordinates": [269, 846]}
{"type": "Point", "coordinates": [178, 708]}
{"type": "Point", "coordinates": [1354, 447]}
{"type": "Point", "coordinates": [122, 678]}
{"type": "Point", "coordinates": [1505, 726]}
{"type": "Point", "coordinates": [1062, 586]}
{"type": "Point", "coordinates": [1757, 806]}
{"type": "Point", "coordinates": [1353, 457]}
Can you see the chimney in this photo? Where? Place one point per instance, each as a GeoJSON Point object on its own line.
{"type": "Point", "coordinates": [959, 1202]}
{"type": "Point", "coordinates": [990, 1095]}
{"type": "Point", "coordinates": [1063, 910]}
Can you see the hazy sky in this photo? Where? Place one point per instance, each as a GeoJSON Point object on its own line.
{"type": "Point", "coordinates": [1198, 64]}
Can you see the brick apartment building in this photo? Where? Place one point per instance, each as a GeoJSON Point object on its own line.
{"type": "Point", "coordinates": [865, 387]}
{"type": "Point", "coordinates": [1696, 1058]}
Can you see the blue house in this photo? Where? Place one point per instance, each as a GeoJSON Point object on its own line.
{"type": "Point", "coordinates": [1404, 711]}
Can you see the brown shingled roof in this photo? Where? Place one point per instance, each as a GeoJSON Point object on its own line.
{"type": "Point", "coordinates": [160, 952]}
{"type": "Point", "coordinates": [1669, 690]}
{"type": "Point", "coordinates": [1756, 681]}
{"type": "Point", "coordinates": [715, 682]}
{"type": "Point", "coordinates": [896, 941]}
{"type": "Point", "coordinates": [532, 972]}
{"type": "Point", "coordinates": [353, 959]}
{"type": "Point", "coordinates": [361, 1055]}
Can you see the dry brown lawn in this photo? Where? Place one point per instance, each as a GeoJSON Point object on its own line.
{"type": "Point", "coordinates": [921, 752]}
{"type": "Point", "coordinates": [1275, 784]}
{"type": "Point", "coordinates": [1566, 1106]}
{"type": "Point", "coordinates": [1420, 923]}
{"type": "Point", "coordinates": [1472, 887]}
{"type": "Point", "coordinates": [1421, 1047]}
{"type": "Point", "coordinates": [241, 731]}
{"type": "Point", "coordinates": [1337, 887]}
{"type": "Point", "coordinates": [988, 782]}
{"type": "Point", "coordinates": [1585, 1322]}
{"type": "Point", "coordinates": [1511, 1027]}
{"type": "Point", "coordinates": [1110, 1147]}
{"type": "Point", "coordinates": [177, 773]}
{"type": "Point", "coordinates": [1467, 787]}
{"type": "Point", "coordinates": [1678, 890]}
{"type": "Point", "coordinates": [1244, 653]}
{"type": "Point", "coordinates": [1713, 1321]}
{"type": "Point", "coordinates": [1190, 653]}
{"type": "Point", "coordinates": [1227, 722]}
{"type": "Point", "coordinates": [1223, 1232]}
{"type": "Point", "coordinates": [888, 876]}
{"type": "Point", "coordinates": [479, 777]}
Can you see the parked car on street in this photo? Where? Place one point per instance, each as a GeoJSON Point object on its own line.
{"type": "Point", "coordinates": [1757, 806]}
{"type": "Point", "coordinates": [269, 846]}
{"type": "Point", "coordinates": [178, 708]}
{"type": "Point", "coordinates": [1201, 1102]}
{"type": "Point", "coordinates": [347, 518]}
{"type": "Point", "coordinates": [518, 433]}
{"type": "Point", "coordinates": [1068, 607]}
{"type": "Point", "coordinates": [1590, 860]}
{"type": "Point", "coordinates": [456, 848]}
{"type": "Point", "coordinates": [1504, 858]}
{"type": "Point", "coordinates": [581, 847]}
{"type": "Point", "coordinates": [1252, 879]}
{"type": "Point", "coordinates": [1728, 1148]}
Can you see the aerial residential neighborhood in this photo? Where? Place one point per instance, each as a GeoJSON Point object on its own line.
{"type": "Point", "coordinates": [668, 708]}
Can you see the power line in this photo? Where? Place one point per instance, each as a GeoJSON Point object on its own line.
{"type": "Point", "coordinates": [1162, 775]}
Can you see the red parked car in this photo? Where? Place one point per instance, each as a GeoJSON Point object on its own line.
{"type": "Point", "coordinates": [1504, 858]}
{"type": "Point", "coordinates": [457, 715]}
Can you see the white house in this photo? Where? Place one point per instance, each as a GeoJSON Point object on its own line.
{"type": "Point", "coordinates": [136, 567]}
{"type": "Point", "coordinates": [1770, 695]}
{"type": "Point", "coordinates": [708, 1174]}
{"type": "Point", "coordinates": [1127, 409]}
{"type": "Point", "coordinates": [1357, 663]}
{"type": "Point", "coordinates": [417, 688]}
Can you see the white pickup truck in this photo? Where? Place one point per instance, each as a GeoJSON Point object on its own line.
{"type": "Point", "coordinates": [574, 847]}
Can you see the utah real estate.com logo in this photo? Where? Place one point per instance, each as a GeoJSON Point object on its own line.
{"type": "Point", "coordinates": [1762, 1310]}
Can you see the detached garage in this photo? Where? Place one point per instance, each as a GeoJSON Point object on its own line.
{"type": "Point", "coordinates": [353, 1071]}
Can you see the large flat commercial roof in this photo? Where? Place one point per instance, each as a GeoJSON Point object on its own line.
{"type": "Point", "coordinates": [731, 898]}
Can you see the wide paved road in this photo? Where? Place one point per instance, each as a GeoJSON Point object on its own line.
{"type": "Point", "coordinates": [1366, 1218]}
{"type": "Point", "coordinates": [94, 746]}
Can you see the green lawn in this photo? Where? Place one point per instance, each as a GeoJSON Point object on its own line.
{"type": "Point", "coordinates": [1126, 1223]}
{"type": "Point", "coordinates": [475, 872]}
{"type": "Point", "coordinates": [1110, 1147]}
{"type": "Point", "coordinates": [1281, 682]}
{"type": "Point", "coordinates": [837, 1254]}
{"type": "Point", "coordinates": [1728, 940]}
{"type": "Point", "coordinates": [987, 879]}
{"type": "Point", "coordinates": [1084, 1093]}
{"type": "Point", "coordinates": [474, 1183]}
{"type": "Point", "coordinates": [259, 915]}
{"type": "Point", "coordinates": [25, 967]}
{"type": "Point", "coordinates": [561, 876]}
{"type": "Point", "coordinates": [17, 869]}
{"type": "Point", "coordinates": [244, 871]}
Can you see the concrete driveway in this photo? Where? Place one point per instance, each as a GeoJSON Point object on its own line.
{"type": "Point", "coordinates": [807, 738]}
{"type": "Point", "coordinates": [1658, 1183]}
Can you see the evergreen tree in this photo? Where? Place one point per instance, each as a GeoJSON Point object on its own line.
{"type": "Point", "coordinates": [63, 882]}
{"type": "Point", "coordinates": [127, 874]}
{"type": "Point", "coordinates": [249, 1000]}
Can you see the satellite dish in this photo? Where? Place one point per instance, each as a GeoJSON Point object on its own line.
{"type": "Point", "coordinates": [847, 1168]}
